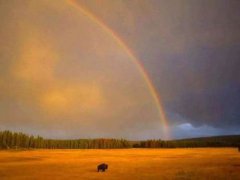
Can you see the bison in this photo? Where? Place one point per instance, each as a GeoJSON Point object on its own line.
{"type": "Point", "coordinates": [102, 167]}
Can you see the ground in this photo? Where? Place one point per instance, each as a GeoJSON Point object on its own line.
{"type": "Point", "coordinates": [196, 163]}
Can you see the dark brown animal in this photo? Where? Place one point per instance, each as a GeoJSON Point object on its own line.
{"type": "Point", "coordinates": [102, 167]}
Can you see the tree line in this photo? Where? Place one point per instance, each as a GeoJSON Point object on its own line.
{"type": "Point", "coordinates": [16, 140]}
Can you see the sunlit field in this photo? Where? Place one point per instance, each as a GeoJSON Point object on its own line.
{"type": "Point", "coordinates": [197, 163]}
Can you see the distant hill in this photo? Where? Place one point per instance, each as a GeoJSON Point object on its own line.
{"type": "Point", "coordinates": [213, 141]}
{"type": "Point", "coordinates": [226, 137]}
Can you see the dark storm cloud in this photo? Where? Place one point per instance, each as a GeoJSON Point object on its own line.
{"type": "Point", "coordinates": [207, 89]}
{"type": "Point", "coordinates": [191, 49]}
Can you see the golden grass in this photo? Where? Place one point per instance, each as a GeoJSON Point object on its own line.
{"type": "Point", "coordinates": [199, 163]}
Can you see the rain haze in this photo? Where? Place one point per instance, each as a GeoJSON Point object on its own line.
{"type": "Point", "coordinates": [94, 68]}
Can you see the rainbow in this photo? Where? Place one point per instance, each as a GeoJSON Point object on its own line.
{"type": "Point", "coordinates": [134, 59]}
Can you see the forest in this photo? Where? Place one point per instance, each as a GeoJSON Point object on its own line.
{"type": "Point", "coordinates": [19, 140]}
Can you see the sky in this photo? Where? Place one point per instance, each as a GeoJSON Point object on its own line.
{"type": "Point", "coordinates": [64, 75]}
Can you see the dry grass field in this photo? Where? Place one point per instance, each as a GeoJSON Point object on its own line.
{"type": "Point", "coordinates": [198, 163]}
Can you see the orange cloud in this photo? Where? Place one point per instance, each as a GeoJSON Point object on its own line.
{"type": "Point", "coordinates": [72, 99]}
{"type": "Point", "coordinates": [36, 61]}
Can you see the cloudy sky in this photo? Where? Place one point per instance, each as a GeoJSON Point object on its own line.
{"type": "Point", "coordinates": [62, 75]}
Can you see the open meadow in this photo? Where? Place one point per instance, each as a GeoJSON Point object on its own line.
{"type": "Point", "coordinates": [196, 163]}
